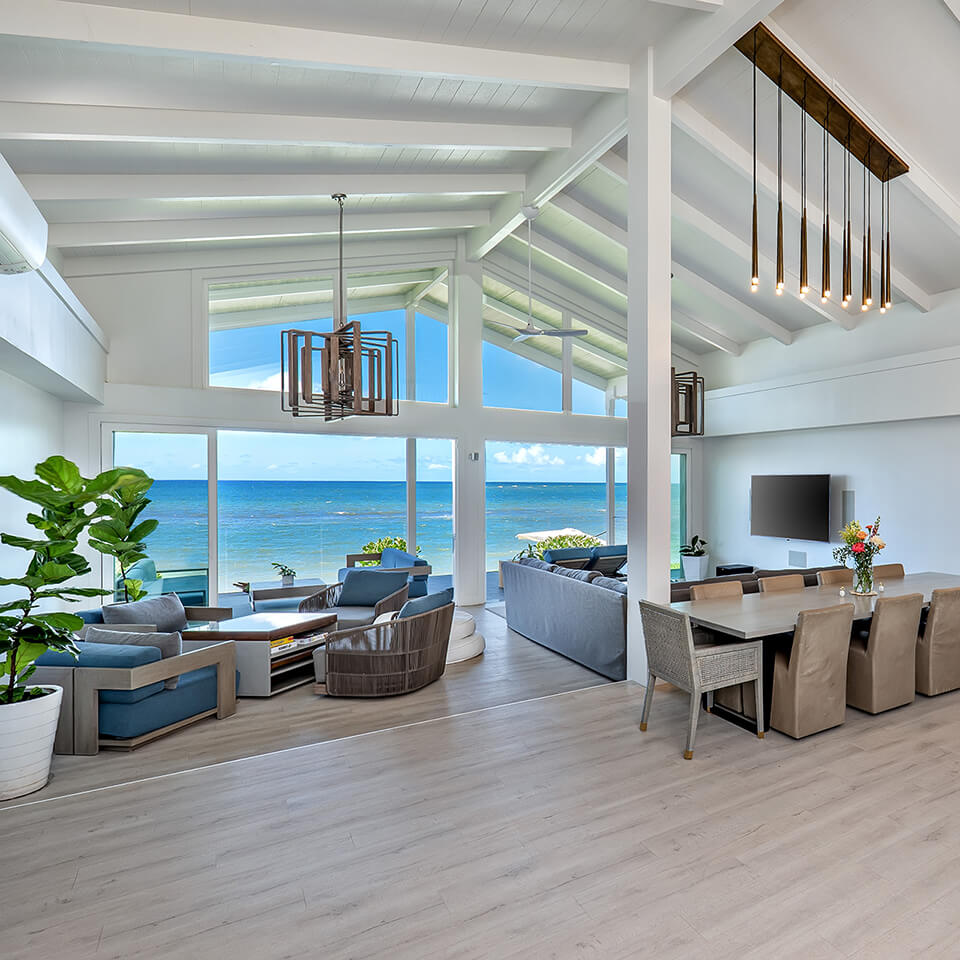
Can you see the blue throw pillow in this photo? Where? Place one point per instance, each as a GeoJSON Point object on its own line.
{"type": "Point", "coordinates": [366, 588]}
{"type": "Point", "coordinates": [433, 601]}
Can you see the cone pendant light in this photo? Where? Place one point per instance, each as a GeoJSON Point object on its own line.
{"type": "Point", "coordinates": [804, 280]}
{"type": "Point", "coordinates": [825, 253]}
{"type": "Point", "coordinates": [755, 250]}
{"type": "Point", "coordinates": [780, 181]}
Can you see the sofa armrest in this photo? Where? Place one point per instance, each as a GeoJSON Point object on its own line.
{"type": "Point", "coordinates": [209, 614]}
{"type": "Point", "coordinates": [392, 602]}
{"type": "Point", "coordinates": [354, 558]}
{"type": "Point", "coordinates": [323, 599]}
{"type": "Point", "coordinates": [89, 681]}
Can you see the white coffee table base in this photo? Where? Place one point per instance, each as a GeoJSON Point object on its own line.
{"type": "Point", "coordinates": [465, 642]}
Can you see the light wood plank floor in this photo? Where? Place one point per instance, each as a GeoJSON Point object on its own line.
{"type": "Point", "coordinates": [551, 828]}
{"type": "Point", "coordinates": [511, 669]}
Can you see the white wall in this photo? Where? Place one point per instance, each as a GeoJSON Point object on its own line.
{"type": "Point", "coordinates": [905, 472]}
{"type": "Point", "coordinates": [31, 429]}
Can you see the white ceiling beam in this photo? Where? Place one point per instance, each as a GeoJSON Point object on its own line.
{"type": "Point", "coordinates": [920, 183]}
{"type": "Point", "coordinates": [318, 285]}
{"type": "Point", "coordinates": [954, 7]}
{"type": "Point", "coordinates": [689, 49]}
{"type": "Point", "coordinates": [706, 6]}
{"type": "Point", "coordinates": [685, 355]}
{"type": "Point", "coordinates": [300, 46]}
{"type": "Point", "coordinates": [590, 218]}
{"type": "Point", "coordinates": [110, 233]}
{"type": "Point", "coordinates": [575, 261]}
{"type": "Point", "coordinates": [422, 289]}
{"type": "Point", "coordinates": [603, 126]}
{"type": "Point", "coordinates": [740, 160]}
{"type": "Point", "coordinates": [730, 303]}
{"type": "Point", "coordinates": [707, 334]}
{"type": "Point", "coordinates": [208, 186]}
{"type": "Point", "coordinates": [614, 165]}
{"type": "Point", "coordinates": [83, 122]}
{"type": "Point", "coordinates": [721, 235]}
{"type": "Point", "coordinates": [300, 313]}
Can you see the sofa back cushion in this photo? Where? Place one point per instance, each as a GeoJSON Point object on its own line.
{"type": "Point", "coordinates": [169, 644]}
{"type": "Point", "coordinates": [366, 588]}
{"type": "Point", "coordinates": [166, 612]}
{"type": "Point", "coordinates": [433, 601]}
{"type": "Point", "coordinates": [537, 563]}
{"type": "Point", "coordinates": [145, 570]}
{"type": "Point", "coordinates": [392, 557]}
{"type": "Point", "coordinates": [608, 583]}
{"type": "Point", "coordinates": [585, 575]}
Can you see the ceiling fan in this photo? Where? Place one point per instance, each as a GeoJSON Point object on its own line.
{"type": "Point", "coordinates": [530, 214]}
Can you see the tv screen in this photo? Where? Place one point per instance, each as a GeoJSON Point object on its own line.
{"type": "Point", "coordinates": [795, 508]}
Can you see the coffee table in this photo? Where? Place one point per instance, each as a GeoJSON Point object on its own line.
{"type": "Point", "coordinates": [264, 672]}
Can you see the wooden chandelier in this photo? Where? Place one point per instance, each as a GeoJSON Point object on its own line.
{"type": "Point", "coordinates": [348, 372]}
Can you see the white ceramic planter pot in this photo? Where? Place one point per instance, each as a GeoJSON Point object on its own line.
{"type": "Point", "coordinates": [696, 568]}
{"type": "Point", "coordinates": [286, 581]}
{"type": "Point", "coordinates": [27, 731]}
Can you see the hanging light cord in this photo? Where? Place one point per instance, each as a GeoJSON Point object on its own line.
{"type": "Point", "coordinates": [340, 197]}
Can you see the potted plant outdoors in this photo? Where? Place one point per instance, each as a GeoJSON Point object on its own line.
{"type": "Point", "coordinates": [381, 544]}
{"type": "Point", "coordinates": [29, 714]}
{"type": "Point", "coordinates": [287, 574]}
{"type": "Point", "coordinates": [120, 535]}
{"type": "Point", "coordinates": [695, 559]}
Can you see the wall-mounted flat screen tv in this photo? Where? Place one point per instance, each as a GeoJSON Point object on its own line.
{"type": "Point", "coordinates": [792, 507]}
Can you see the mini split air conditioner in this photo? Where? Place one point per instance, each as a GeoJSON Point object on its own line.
{"type": "Point", "coordinates": [23, 231]}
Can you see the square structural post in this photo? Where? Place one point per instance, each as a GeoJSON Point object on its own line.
{"type": "Point", "coordinates": [648, 350]}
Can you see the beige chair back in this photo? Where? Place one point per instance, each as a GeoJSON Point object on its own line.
{"type": "Point", "coordinates": [888, 571]}
{"type": "Point", "coordinates": [809, 689]}
{"type": "Point", "coordinates": [790, 581]}
{"type": "Point", "coordinates": [714, 591]}
{"type": "Point", "coordinates": [883, 676]}
{"type": "Point", "coordinates": [669, 642]}
{"type": "Point", "coordinates": [938, 650]}
{"type": "Point", "coordinates": [838, 578]}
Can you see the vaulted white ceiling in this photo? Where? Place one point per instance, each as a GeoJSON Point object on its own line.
{"type": "Point", "coordinates": [146, 128]}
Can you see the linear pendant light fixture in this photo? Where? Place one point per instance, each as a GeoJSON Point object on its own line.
{"type": "Point", "coordinates": [817, 100]}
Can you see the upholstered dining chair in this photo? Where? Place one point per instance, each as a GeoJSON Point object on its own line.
{"type": "Point", "coordinates": [888, 571]}
{"type": "Point", "coordinates": [938, 648]}
{"type": "Point", "coordinates": [730, 697]}
{"type": "Point", "coordinates": [672, 656]}
{"type": "Point", "coordinates": [835, 578]}
{"type": "Point", "coordinates": [789, 581]}
{"type": "Point", "coordinates": [810, 680]}
{"type": "Point", "coordinates": [881, 669]}
{"type": "Point", "coordinates": [715, 591]}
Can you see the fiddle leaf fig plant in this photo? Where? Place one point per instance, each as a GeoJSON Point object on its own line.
{"type": "Point", "coordinates": [120, 535]}
{"type": "Point", "coordinates": [68, 503]}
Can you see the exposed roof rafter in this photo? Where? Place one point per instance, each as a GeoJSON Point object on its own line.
{"type": "Point", "coordinates": [707, 334]}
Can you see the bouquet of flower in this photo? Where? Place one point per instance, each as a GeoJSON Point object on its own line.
{"type": "Point", "coordinates": [860, 545]}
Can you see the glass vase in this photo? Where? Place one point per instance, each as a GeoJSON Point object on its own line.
{"type": "Point", "coordinates": [863, 578]}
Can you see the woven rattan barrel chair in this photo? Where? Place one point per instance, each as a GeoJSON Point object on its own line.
{"type": "Point", "coordinates": [730, 697]}
{"type": "Point", "coordinates": [938, 650]}
{"type": "Point", "coordinates": [672, 656]}
{"type": "Point", "coordinates": [385, 659]}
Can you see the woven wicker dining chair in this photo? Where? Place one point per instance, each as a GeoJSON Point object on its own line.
{"type": "Point", "coordinates": [672, 656]}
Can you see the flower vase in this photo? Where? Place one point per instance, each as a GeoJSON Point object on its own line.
{"type": "Point", "coordinates": [863, 580]}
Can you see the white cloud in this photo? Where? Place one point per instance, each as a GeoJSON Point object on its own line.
{"type": "Point", "coordinates": [598, 458]}
{"type": "Point", "coordinates": [273, 382]}
{"type": "Point", "coordinates": [438, 466]}
{"type": "Point", "coordinates": [272, 466]}
{"type": "Point", "coordinates": [534, 456]}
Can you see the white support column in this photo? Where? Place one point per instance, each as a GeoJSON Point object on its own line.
{"type": "Point", "coordinates": [469, 475]}
{"type": "Point", "coordinates": [213, 521]}
{"type": "Point", "coordinates": [411, 494]}
{"type": "Point", "coordinates": [611, 465]}
{"type": "Point", "coordinates": [566, 366]}
{"type": "Point", "coordinates": [648, 346]}
{"type": "Point", "coordinates": [411, 359]}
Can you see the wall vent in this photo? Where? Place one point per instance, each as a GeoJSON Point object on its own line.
{"type": "Point", "coordinates": [797, 558]}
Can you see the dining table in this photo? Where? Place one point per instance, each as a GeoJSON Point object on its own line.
{"type": "Point", "coordinates": [772, 618]}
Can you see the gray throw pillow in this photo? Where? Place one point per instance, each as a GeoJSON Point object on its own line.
{"type": "Point", "coordinates": [169, 644]}
{"type": "Point", "coordinates": [166, 612]}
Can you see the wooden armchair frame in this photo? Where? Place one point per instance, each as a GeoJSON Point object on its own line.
{"type": "Point", "coordinates": [279, 593]}
{"type": "Point", "coordinates": [386, 659]}
{"type": "Point", "coordinates": [354, 558]}
{"type": "Point", "coordinates": [89, 681]}
{"type": "Point", "coordinates": [328, 597]}
{"type": "Point", "coordinates": [207, 614]}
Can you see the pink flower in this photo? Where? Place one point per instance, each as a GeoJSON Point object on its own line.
{"type": "Point", "coordinates": [858, 548]}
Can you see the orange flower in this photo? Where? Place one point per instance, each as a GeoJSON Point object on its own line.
{"type": "Point", "coordinates": [862, 534]}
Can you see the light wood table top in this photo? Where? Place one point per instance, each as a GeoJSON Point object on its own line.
{"type": "Point", "coordinates": [261, 626]}
{"type": "Point", "coordinates": [756, 615]}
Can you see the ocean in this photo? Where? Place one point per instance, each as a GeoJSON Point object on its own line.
{"type": "Point", "coordinates": [312, 525]}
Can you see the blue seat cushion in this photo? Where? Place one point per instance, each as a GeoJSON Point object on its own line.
{"type": "Point", "coordinates": [433, 601]}
{"type": "Point", "coordinates": [90, 616]}
{"type": "Point", "coordinates": [281, 604]}
{"type": "Point", "coordinates": [196, 693]}
{"type": "Point", "coordinates": [113, 655]}
{"type": "Point", "coordinates": [364, 587]}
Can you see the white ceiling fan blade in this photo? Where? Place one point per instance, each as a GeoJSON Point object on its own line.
{"type": "Point", "coordinates": [524, 336]}
{"type": "Point", "coordinates": [565, 333]}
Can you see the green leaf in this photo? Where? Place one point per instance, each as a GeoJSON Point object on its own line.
{"type": "Point", "coordinates": [32, 490]}
{"type": "Point", "coordinates": [60, 473]}
{"type": "Point", "coordinates": [58, 620]}
{"type": "Point", "coordinates": [23, 605]}
{"type": "Point", "coordinates": [65, 593]}
{"type": "Point", "coordinates": [28, 582]}
{"type": "Point", "coordinates": [54, 572]}
{"type": "Point", "coordinates": [143, 530]}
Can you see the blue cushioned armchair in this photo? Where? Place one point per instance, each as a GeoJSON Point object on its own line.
{"type": "Point", "coordinates": [114, 694]}
{"type": "Point", "coordinates": [397, 560]}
